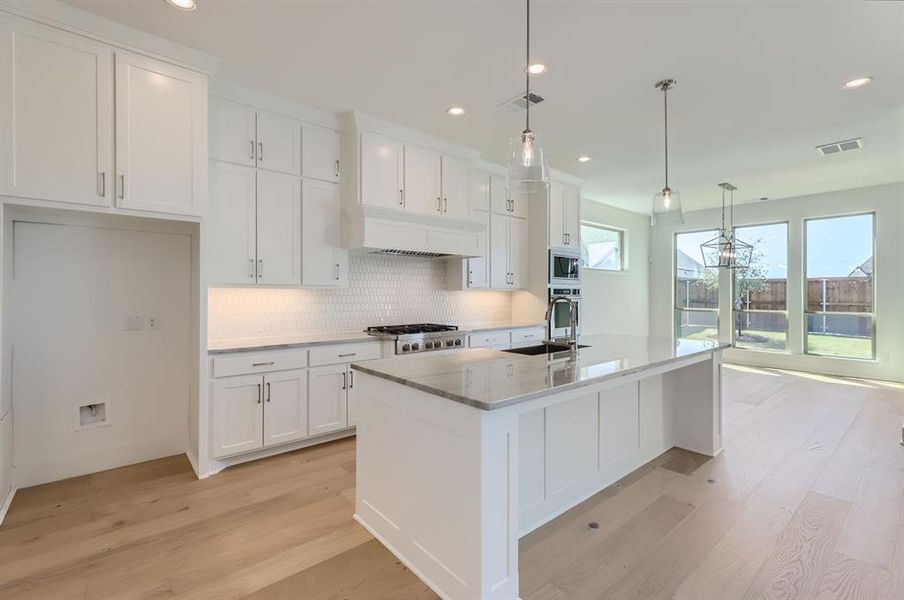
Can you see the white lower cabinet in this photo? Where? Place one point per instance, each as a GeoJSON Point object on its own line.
{"type": "Point", "coordinates": [285, 406]}
{"type": "Point", "coordinates": [328, 398]}
{"type": "Point", "coordinates": [237, 414]}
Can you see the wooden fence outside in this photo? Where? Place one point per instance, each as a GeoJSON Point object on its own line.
{"type": "Point", "coordinates": [824, 294]}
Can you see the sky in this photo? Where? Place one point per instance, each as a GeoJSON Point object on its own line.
{"type": "Point", "coordinates": [835, 246]}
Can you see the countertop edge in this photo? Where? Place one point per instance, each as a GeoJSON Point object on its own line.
{"type": "Point", "coordinates": [481, 405]}
{"type": "Point", "coordinates": [289, 345]}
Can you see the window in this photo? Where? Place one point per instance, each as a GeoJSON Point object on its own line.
{"type": "Point", "coordinates": [602, 247]}
{"type": "Point", "coordinates": [840, 286]}
{"type": "Point", "coordinates": [761, 290]}
{"type": "Point", "coordinates": [696, 289]}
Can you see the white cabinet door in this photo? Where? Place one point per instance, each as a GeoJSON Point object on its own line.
{"type": "Point", "coordinates": [557, 216]}
{"type": "Point", "coordinates": [232, 135]}
{"type": "Point", "coordinates": [327, 399]}
{"type": "Point", "coordinates": [519, 205]}
{"type": "Point", "coordinates": [572, 218]}
{"type": "Point", "coordinates": [278, 229]}
{"type": "Point", "coordinates": [237, 414]}
{"type": "Point", "coordinates": [319, 152]}
{"type": "Point", "coordinates": [161, 136]}
{"type": "Point", "coordinates": [278, 143]}
{"type": "Point", "coordinates": [231, 224]}
{"type": "Point", "coordinates": [479, 268]}
{"type": "Point", "coordinates": [56, 115]}
{"type": "Point", "coordinates": [479, 189]}
{"type": "Point", "coordinates": [455, 187]}
{"type": "Point", "coordinates": [285, 406]}
{"type": "Point", "coordinates": [499, 250]}
{"type": "Point", "coordinates": [499, 195]}
{"type": "Point", "coordinates": [381, 171]}
{"type": "Point", "coordinates": [423, 180]}
{"type": "Point", "coordinates": [324, 261]}
{"type": "Point", "coordinates": [518, 252]}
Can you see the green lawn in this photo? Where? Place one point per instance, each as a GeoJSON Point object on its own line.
{"type": "Point", "coordinates": [826, 345]}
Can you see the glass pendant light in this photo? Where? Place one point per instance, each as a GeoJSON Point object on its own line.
{"type": "Point", "coordinates": [528, 171]}
{"type": "Point", "coordinates": [667, 203]}
{"type": "Point", "coordinates": [726, 251]}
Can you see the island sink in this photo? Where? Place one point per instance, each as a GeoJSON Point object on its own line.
{"type": "Point", "coordinates": [544, 348]}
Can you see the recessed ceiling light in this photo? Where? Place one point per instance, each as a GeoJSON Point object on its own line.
{"type": "Point", "coordinates": [583, 159]}
{"type": "Point", "coordinates": [455, 111]}
{"type": "Point", "coordinates": [183, 4]}
{"type": "Point", "coordinates": [536, 69]}
{"type": "Point", "coordinates": [855, 83]}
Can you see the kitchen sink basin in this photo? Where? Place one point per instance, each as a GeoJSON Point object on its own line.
{"type": "Point", "coordinates": [545, 348]}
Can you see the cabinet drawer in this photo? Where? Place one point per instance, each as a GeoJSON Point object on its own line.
{"type": "Point", "coordinates": [490, 338]}
{"type": "Point", "coordinates": [345, 353]}
{"type": "Point", "coordinates": [522, 336]}
{"type": "Point", "coordinates": [259, 362]}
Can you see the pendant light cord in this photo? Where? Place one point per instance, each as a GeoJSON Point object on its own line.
{"type": "Point", "coordinates": [723, 209]}
{"type": "Point", "coordinates": [527, 73]}
{"type": "Point", "coordinates": [665, 110]}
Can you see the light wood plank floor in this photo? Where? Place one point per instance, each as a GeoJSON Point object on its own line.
{"type": "Point", "coordinates": [807, 501]}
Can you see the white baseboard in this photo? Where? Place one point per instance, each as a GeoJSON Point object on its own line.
{"type": "Point", "coordinates": [218, 464]}
{"type": "Point", "coordinates": [6, 503]}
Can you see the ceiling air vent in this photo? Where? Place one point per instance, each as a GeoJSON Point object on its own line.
{"type": "Point", "coordinates": [519, 102]}
{"type": "Point", "coordinates": [842, 146]}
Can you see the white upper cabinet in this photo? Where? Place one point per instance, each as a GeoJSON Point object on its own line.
{"type": "Point", "coordinates": [478, 275]}
{"type": "Point", "coordinates": [278, 229]}
{"type": "Point", "coordinates": [499, 199]}
{"type": "Point", "coordinates": [231, 223]}
{"type": "Point", "coordinates": [320, 152]}
{"type": "Point", "coordinates": [508, 252]}
{"type": "Point", "coordinates": [381, 171]}
{"type": "Point", "coordinates": [564, 216]}
{"type": "Point", "coordinates": [423, 191]}
{"type": "Point", "coordinates": [56, 115]}
{"type": "Point", "coordinates": [479, 189]}
{"type": "Point", "coordinates": [455, 187]}
{"type": "Point", "coordinates": [324, 261]}
{"type": "Point", "coordinates": [278, 143]}
{"type": "Point", "coordinates": [285, 406]}
{"type": "Point", "coordinates": [232, 132]}
{"type": "Point", "coordinates": [161, 128]}
{"type": "Point", "coordinates": [518, 252]}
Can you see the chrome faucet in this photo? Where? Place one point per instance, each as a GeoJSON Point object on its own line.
{"type": "Point", "coordinates": [572, 318]}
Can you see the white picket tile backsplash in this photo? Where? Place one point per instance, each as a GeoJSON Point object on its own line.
{"type": "Point", "coordinates": [382, 290]}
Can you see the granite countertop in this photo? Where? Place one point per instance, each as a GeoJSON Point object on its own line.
{"type": "Point", "coordinates": [289, 341]}
{"type": "Point", "coordinates": [491, 379]}
{"type": "Point", "coordinates": [226, 346]}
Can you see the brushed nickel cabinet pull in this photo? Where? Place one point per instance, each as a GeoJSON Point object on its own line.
{"type": "Point", "coordinates": [102, 184]}
{"type": "Point", "coordinates": [122, 187]}
{"type": "Point", "coordinates": [349, 354]}
{"type": "Point", "coordinates": [258, 393]}
{"type": "Point", "coordinates": [268, 391]}
{"type": "Point", "coordinates": [337, 168]}
{"type": "Point", "coordinates": [445, 205]}
{"type": "Point", "coordinates": [351, 379]}
{"type": "Point", "coordinates": [344, 381]}
{"type": "Point", "coordinates": [260, 268]}
{"type": "Point", "coordinates": [260, 151]}
{"type": "Point", "coordinates": [252, 149]}
{"type": "Point", "coordinates": [401, 197]}
{"type": "Point", "coordinates": [263, 364]}
{"type": "Point", "coordinates": [251, 268]}
{"type": "Point", "coordinates": [337, 271]}
{"type": "Point", "coordinates": [439, 204]}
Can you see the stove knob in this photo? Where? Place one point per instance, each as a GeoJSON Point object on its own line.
{"type": "Point", "coordinates": [415, 347]}
{"type": "Point", "coordinates": [450, 342]}
{"type": "Point", "coordinates": [428, 345]}
{"type": "Point", "coordinates": [406, 348]}
{"type": "Point", "coordinates": [458, 342]}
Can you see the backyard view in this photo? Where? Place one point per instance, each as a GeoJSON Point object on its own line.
{"type": "Point", "coordinates": [838, 289]}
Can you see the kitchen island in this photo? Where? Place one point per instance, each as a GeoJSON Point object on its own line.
{"type": "Point", "coordinates": [462, 454]}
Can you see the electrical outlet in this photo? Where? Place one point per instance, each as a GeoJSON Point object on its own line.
{"type": "Point", "coordinates": [152, 323]}
{"type": "Point", "coordinates": [133, 323]}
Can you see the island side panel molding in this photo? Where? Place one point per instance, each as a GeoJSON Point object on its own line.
{"type": "Point", "coordinates": [693, 410]}
{"type": "Point", "coordinates": [437, 485]}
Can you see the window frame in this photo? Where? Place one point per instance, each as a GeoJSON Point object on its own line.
{"type": "Point", "coordinates": [622, 246]}
{"type": "Point", "coordinates": [675, 308]}
{"type": "Point", "coordinates": [805, 314]}
{"type": "Point", "coordinates": [786, 312]}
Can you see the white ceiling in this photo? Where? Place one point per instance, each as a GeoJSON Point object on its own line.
{"type": "Point", "coordinates": [758, 82]}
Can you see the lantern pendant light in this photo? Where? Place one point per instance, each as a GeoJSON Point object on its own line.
{"type": "Point", "coordinates": [528, 171]}
{"type": "Point", "coordinates": [667, 203]}
{"type": "Point", "coordinates": [726, 251]}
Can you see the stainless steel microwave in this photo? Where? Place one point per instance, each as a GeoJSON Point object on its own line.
{"type": "Point", "coordinates": [564, 267]}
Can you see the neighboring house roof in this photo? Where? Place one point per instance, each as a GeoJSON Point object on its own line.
{"type": "Point", "coordinates": [864, 270]}
{"type": "Point", "coordinates": [689, 267]}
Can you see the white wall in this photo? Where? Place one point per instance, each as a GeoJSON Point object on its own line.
{"type": "Point", "coordinates": [887, 201]}
{"type": "Point", "coordinates": [382, 290]}
{"type": "Point", "coordinates": [618, 301]}
{"type": "Point", "coordinates": [69, 291]}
